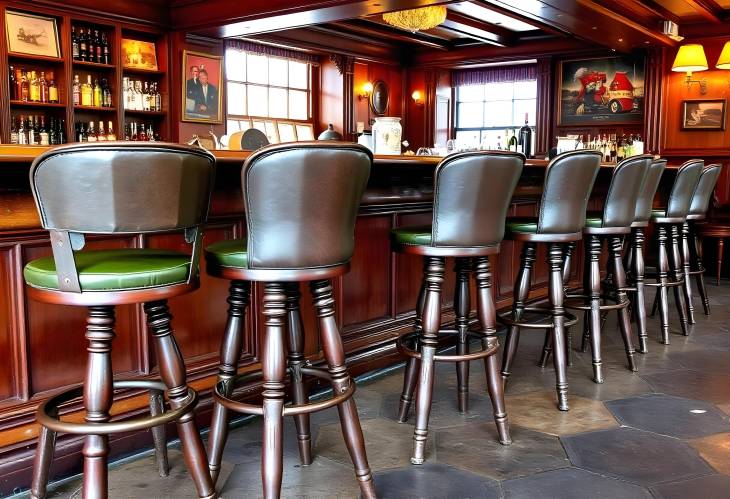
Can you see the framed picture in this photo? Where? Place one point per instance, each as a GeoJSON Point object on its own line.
{"type": "Point", "coordinates": [137, 54]}
{"type": "Point", "coordinates": [703, 114]}
{"type": "Point", "coordinates": [31, 34]}
{"type": "Point", "coordinates": [286, 131]}
{"type": "Point", "coordinates": [305, 132]}
{"type": "Point", "coordinates": [202, 81]}
{"type": "Point", "coordinates": [601, 91]}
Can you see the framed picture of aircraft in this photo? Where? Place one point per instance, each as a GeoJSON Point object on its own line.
{"type": "Point", "coordinates": [31, 34]}
{"type": "Point", "coordinates": [601, 91]}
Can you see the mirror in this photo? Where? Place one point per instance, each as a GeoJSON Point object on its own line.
{"type": "Point", "coordinates": [379, 98]}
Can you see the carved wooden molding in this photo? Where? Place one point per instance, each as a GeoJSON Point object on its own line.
{"type": "Point", "coordinates": [345, 63]}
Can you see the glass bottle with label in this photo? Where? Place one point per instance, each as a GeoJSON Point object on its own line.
{"type": "Point", "coordinates": [110, 132]}
{"type": "Point", "coordinates": [76, 91]}
{"type": "Point", "coordinates": [43, 132]}
{"type": "Point", "coordinates": [13, 131]}
{"type": "Point", "coordinates": [100, 133]}
{"type": "Point", "coordinates": [52, 89]}
{"type": "Point", "coordinates": [87, 93]}
{"type": "Point", "coordinates": [35, 88]}
{"type": "Point", "coordinates": [97, 93]}
{"type": "Point", "coordinates": [74, 44]}
{"type": "Point", "coordinates": [90, 133]}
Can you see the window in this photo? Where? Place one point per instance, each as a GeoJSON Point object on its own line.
{"type": "Point", "coordinates": [485, 114]}
{"type": "Point", "coordinates": [260, 86]}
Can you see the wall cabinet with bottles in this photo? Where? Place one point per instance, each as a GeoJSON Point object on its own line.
{"type": "Point", "coordinates": [48, 100]}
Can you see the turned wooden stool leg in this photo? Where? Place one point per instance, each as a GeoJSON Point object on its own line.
{"type": "Point", "coordinates": [172, 372]}
{"type": "Point", "coordinates": [296, 362]}
{"type": "Point", "coordinates": [98, 397]}
{"type": "Point", "coordinates": [410, 377]}
{"type": "Point", "coordinates": [157, 407]}
{"type": "Point", "coordinates": [521, 293]}
{"type": "Point", "coordinates": [720, 247]}
{"type": "Point", "coordinates": [678, 274]}
{"type": "Point", "coordinates": [547, 347]}
{"type": "Point", "coordinates": [43, 459]}
{"type": "Point", "coordinates": [434, 277]}
{"type": "Point", "coordinates": [488, 322]}
{"type": "Point", "coordinates": [334, 354]}
{"type": "Point", "coordinates": [639, 302]}
{"type": "Point", "coordinates": [593, 290]}
{"type": "Point", "coordinates": [662, 274]}
{"type": "Point", "coordinates": [696, 251]}
{"type": "Point", "coordinates": [624, 320]}
{"type": "Point", "coordinates": [556, 295]}
{"type": "Point", "coordinates": [685, 270]}
{"type": "Point", "coordinates": [567, 264]}
{"type": "Point", "coordinates": [231, 348]}
{"type": "Point", "coordinates": [462, 304]}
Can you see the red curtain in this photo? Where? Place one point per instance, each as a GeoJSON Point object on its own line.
{"type": "Point", "coordinates": [262, 49]}
{"type": "Point", "coordinates": [494, 74]}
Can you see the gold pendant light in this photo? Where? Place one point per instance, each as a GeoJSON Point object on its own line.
{"type": "Point", "coordinates": [417, 19]}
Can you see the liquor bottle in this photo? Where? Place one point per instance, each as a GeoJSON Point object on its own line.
{"type": "Point", "coordinates": [43, 133]}
{"type": "Point", "coordinates": [512, 142]}
{"type": "Point", "coordinates": [62, 132]}
{"type": "Point", "coordinates": [80, 132]}
{"type": "Point", "coordinates": [18, 84]}
{"type": "Point", "coordinates": [133, 131]}
{"type": "Point", "coordinates": [90, 133]}
{"type": "Point", "coordinates": [106, 93]}
{"type": "Point", "coordinates": [525, 139]}
{"type": "Point", "coordinates": [106, 56]}
{"type": "Point", "coordinates": [77, 91]}
{"type": "Point", "coordinates": [43, 83]}
{"type": "Point", "coordinates": [158, 98]}
{"type": "Point", "coordinates": [13, 131]}
{"type": "Point", "coordinates": [90, 46]}
{"type": "Point", "coordinates": [83, 47]}
{"type": "Point", "coordinates": [87, 93]}
{"type": "Point", "coordinates": [151, 135]}
{"type": "Point", "coordinates": [620, 150]}
{"type": "Point", "coordinates": [127, 132]}
{"type": "Point", "coordinates": [35, 88]}
{"type": "Point", "coordinates": [142, 134]}
{"type": "Point", "coordinates": [31, 132]}
{"type": "Point", "coordinates": [110, 132]}
{"type": "Point", "coordinates": [100, 133]}
{"type": "Point", "coordinates": [138, 96]}
{"type": "Point", "coordinates": [74, 44]}
{"type": "Point", "coordinates": [22, 132]}
{"type": "Point", "coordinates": [145, 97]}
{"type": "Point", "coordinates": [13, 86]}
{"type": "Point", "coordinates": [24, 88]}
{"type": "Point", "coordinates": [97, 93]}
{"type": "Point", "coordinates": [52, 89]}
{"type": "Point", "coordinates": [613, 148]}
{"type": "Point", "coordinates": [98, 49]}
{"type": "Point", "coordinates": [52, 132]}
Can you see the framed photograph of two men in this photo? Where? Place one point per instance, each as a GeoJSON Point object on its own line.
{"type": "Point", "coordinates": [202, 92]}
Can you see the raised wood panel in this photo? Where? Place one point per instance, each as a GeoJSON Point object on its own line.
{"type": "Point", "coordinates": [7, 349]}
{"type": "Point", "coordinates": [409, 268]}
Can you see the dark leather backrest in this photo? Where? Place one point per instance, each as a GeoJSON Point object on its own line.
{"type": "Point", "coordinates": [627, 183]}
{"type": "Point", "coordinates": [122, 187]}
{"type": "Point", "coordinates": [705, 188]}
{"type": "Point", "coordinates": [569, 180]}
{"type": "Point", "coordinates": [472, 192]}
{"type": "Point", "coordinates": [684, 187]}
{"type": "Point", "coordinates": [301, 201]}
{"type": "Point", "coordinates": [651, 183]}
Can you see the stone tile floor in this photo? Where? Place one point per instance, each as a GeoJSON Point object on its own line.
{"type": "Point", "coordinates": [663, 432]}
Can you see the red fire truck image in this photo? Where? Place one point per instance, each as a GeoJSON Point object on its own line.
{"type": "Point", "coordinates": [595, 97]}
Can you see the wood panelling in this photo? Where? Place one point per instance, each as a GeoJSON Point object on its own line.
{"type": "Point", "coordinates": [393, 76]}
{"type": "Point", "coordinates": [8, 339]}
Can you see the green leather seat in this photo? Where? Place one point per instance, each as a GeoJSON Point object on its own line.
{"type": "Point", "coordinates": [115, 270]}
{"type": "Point", "coordinates": [594, 223]}
{"type": "Point", "coordinates": [658, 213]}
{"type": "Point", "coordinates": [230, 253]}
{"type": "Point", "coordinates": [522, 225]}
{"type": "Point", "coordinates": [414, 236]}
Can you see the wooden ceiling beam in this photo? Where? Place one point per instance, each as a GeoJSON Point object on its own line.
{"type": "Point", "coordinates": [477, 29]}
{"type": "Point", "coordinates": [708, 9]}
{"type": "Point", "coordinates": [540, 23]}
{"type": "Point", "coordinates": [376, 31]}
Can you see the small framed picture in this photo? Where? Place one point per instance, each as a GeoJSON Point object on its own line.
{"type": "Point", "coordinates": [137, 54]}
{"type": "Point", "coordinates": [305, 131]}
{"type": "Point", "coordinates": [202, 82]}
{"type": "Point", "coordinates": [31, 34]}
{"type": "Point", "coordinates": [287, 132]}
{"type": "Point", "coordinates": [703, 114]}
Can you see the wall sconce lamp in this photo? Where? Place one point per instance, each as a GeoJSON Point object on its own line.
{"type": "Point", "coordinates": [367, 89]}
{"type": "Point", "coordinates": [691, 58]}
{"type": "Point", "coordinates": [417, 99]}
{"type": "Point", "coordinates": [723, 62]}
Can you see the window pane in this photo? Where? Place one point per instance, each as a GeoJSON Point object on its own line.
{"type": "Point", "coordinates": [271, 133]}
{"type": "Point", "coordinates": [298, 105]}
{"type": "Point", "coordinates": [523, 107]}
{"type": "Point", "coordinates": [232, 126]}
{"type": "Point", "coordinates": [236, 98]}
{"type": "Point", "coordinates": [470, 115]}
{"type": "Point", "coordinates": [258, 68]}
{"type": "Point", "coordinates": [286, 132]}
{"type": "Point", "coordinates": [235, 65]}
{"type": "Point", "coordinates": [525, 89]}
{"type": "Point", "coordinates": [298, 75]}
{"type": "Point", "coordinates": [471, 93]}
{"type": "Point", "coordinates": [492, 139]}
{"type": "Point", "coordinates": [278, 72]}
{"type": "Point", "coordinates": [499, 91]}
{"type": "Point", "coordinates": [258, 100]}
{"type": "Point", "coordinates": [498, 113]}
{"type": "Point", "coordinates": [277, 103]}
{"type": "Point", "coordinates": [467, 139]}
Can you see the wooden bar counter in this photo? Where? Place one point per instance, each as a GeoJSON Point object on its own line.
{"type": "Point", "coordinates": [44, 347]}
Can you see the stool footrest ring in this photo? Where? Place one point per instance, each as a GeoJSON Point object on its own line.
{"type": "Point", "coordinates": [44, 417]}
{"type": "Point", "coordinates": [573, 302]}
{"type": "Point", "coordinates": [289, 410]}
{"type": "Point", "coordinates": [570, 319]}
{"type": "Point", "coordinates": [484, 352]}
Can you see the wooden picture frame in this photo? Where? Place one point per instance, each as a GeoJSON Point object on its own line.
{"type": "Point", "coordinates": [202, 88]}
{"type": "Point", "coordinates": [601, 91]}
{"type": "Point", "coordinates": [29, 34]}
{"type": "Point", "coordinates": [305, 131]}
{"type": "Point", "coordinates": [703, 114]}
{"type": "Point", "coordinates": [287, 131]}
{"type": "Point", "coordinates": [139, 54]}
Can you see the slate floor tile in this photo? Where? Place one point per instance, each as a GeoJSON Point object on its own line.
{"type": "Point", "coordinates": [715, 449]}
{"type": "Point", "coordinates": [706, 487]}
{"type": "Point", "coordinates": [433, 480]}
{"type": "Point", "coordinates": [693, 384]}
{"type": "Point", "coordinates": [669, 415]}
{"type": "Point", "coordinates": [571, 483]}
{"type": "Point", "coordinates": [634, 455]}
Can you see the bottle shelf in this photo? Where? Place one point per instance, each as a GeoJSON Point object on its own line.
{"type": "Point", "coordinates": [145, 113]}
{"type": "Point", "coordinates": [89, 64]}
{"type": "Point", "coordinates": [140, 71]}
{"type": "Point", "coordinates": [22, 103]}
{"type": "Point", "coordinates": [95, 108]}
{"type": "Point", "coordinates": [35, 58]}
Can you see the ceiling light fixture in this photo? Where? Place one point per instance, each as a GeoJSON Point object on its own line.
{"type": "Point", "coordinates": [417, 19]}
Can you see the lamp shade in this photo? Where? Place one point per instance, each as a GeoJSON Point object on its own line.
{"type": "Point", "coordinates": [724, 61]}
{"type": "Point", "coordinates": [691, 57]}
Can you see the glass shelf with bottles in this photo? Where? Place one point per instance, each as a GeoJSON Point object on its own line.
{"type": "Point", "coordinates": [134, 131]}
{"type": "Point", "coordinates": [92, 92]}
{"type": "Point", "coordinates": [612, 147]}
{"type": "Point", "coordinates": [90, 131]}
{"type": "Point", "coordinates": [31, 87]}
{"type": "Point", "coordinates": [90, 45]}
{"type": "Point", "coordinates": [37, 130]}
{"type": "Point", "coordinates": [141, 96]}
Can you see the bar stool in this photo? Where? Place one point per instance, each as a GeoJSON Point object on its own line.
{"type": "Point", "coordinates": [692, 254]}
{"type": "Point", "coordinates": [717, 230]}
{"type": "Point", "coordinates": [96, 189]}
{"type": "Point", "coordinates": [472, 193]}
{"type": "Point", "coordinates": [301, 202]}
{"type": "Point", "coordinates": [569, 179]}
{"type": "Point", "coordinates": [668, 222]}
{"type": "Point", "coordinates": [626, 186]}
{"type": "Point", "coordinates": [635, 252]}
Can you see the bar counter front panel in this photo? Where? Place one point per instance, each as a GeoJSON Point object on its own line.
{"type": "Point", "coordinates": [44, 347]}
